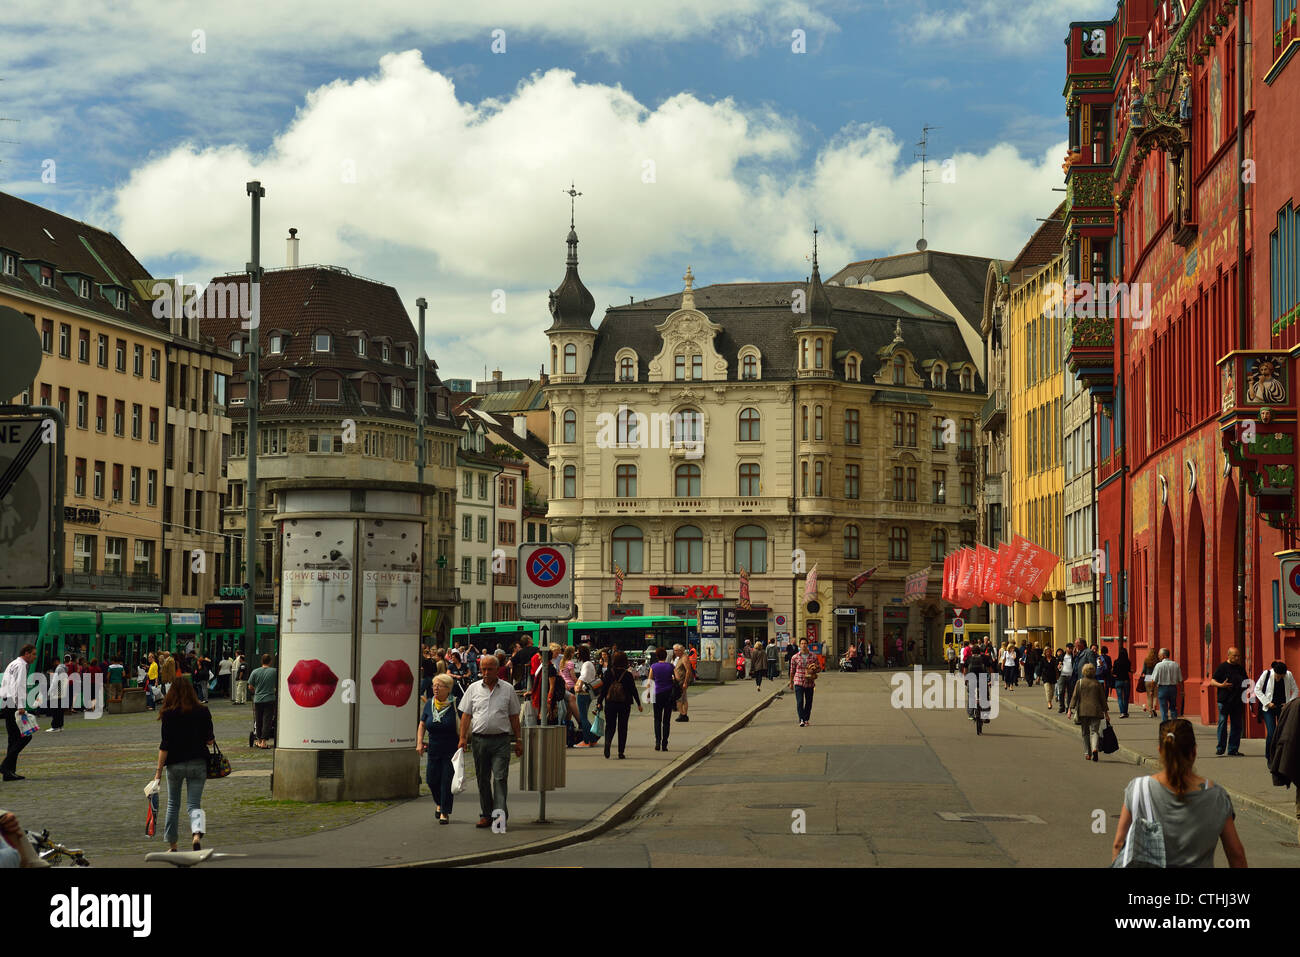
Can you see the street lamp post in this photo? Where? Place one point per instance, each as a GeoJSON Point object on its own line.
{"type": "Point", "coordinates": [254, 270]}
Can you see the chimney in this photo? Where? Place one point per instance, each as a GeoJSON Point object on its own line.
{"type": "Point", "coordinates": [291, 259]}
{"type": "Point", "coordinates": [521, 426]}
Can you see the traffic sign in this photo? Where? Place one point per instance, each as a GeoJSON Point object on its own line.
{"type": "Point", "coordinates": [780, 621]}
{"type": "Point", "coordinates": [31, 503]}
{"type": "Point", "coordinates": [958, 625]}
{"type": "Point", "coordinates": [546, 587]}
{"type": "Point", "coordinates": [1290, 591]}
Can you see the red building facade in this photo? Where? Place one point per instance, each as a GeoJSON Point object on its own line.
{"type": "Point", "coordinates": [1153, 206]}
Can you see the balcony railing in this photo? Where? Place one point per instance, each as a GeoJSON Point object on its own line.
{"type": "Point", "coordinates": [994, 412]}
{"type": "Point", "coordinates": [1091, 344]}
{"type": "Point", "coordinates": [760, 505]}
{"type": "Point", "coordinates": [110, 585]}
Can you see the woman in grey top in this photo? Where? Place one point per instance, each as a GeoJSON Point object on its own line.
{"type": "Point", "coordinates": [1195, 814]}
{"type": "Point", "coordinates": [1090, 702]}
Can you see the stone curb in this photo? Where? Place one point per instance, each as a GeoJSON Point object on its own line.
{"type": "Point", "coordinates": [1238, 799]}
{"type": "Point", "coordinates": [614, 815]}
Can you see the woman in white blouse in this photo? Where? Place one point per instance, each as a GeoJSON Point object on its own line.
{"type": "Point", "coordinates": [1275, 687]}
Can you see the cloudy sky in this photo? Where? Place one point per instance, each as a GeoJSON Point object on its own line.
{"type": "Point", "coordinates": [426, 145]}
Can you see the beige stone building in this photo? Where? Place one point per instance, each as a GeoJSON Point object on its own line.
{"type": "Point", "coordinates": [764, 427]}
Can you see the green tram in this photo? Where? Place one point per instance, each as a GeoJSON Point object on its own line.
{"type": "Point", "coordinates": [632, 634]}
{"type": "Point", "coordinates": [100, 636]}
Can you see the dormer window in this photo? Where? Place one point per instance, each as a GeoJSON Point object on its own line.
{"type": "Point", "coordinates": [384, 351]}
{"type": "Point", "coordinates": [277, 344]}
{"type": "Point", "coordinates": [237, 345]}
{"type": "Point", "coordinates": [967, 380]}
{"type": "Point", "coordinates": [938, 375]}
{"type": "Point", "coordinates": [327, 388]}
{"type": "Point", "coordinates": [321, 342]}
{"type": "Point", "coordinates": [851, 369]}
{"type": "Point", "coordinates": [406, 357]}
{"type": "Point", "coordinates": [900, 370]}
{"type": "Point", "coordinates": [83, 288]}
{"type": "Point", "coordinates": [47, 276]}
{"type": "Point", "coordinates": [679, 368]}
{"type": "Point", "coordinates": [361, 347]}
{"type": "Point", "coordinates": [626, 369]}
{"type": "Point", "coordinates": [121, 299]}
{"type": "Point", "coordinates": [697, 367]}
{"type": "Point", "coordinates": [10, 264]}
{"type": "Point", "coordinates": [749, 367]}
{"type": "Point", "coordinates": [397, 397]}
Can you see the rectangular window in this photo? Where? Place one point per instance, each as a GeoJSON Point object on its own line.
{"type": "Point", "coordinates": [507, 497]}
{"type": "Point", "coordinates": [679, 368]}
{"type": "Point", "coordinates": [967, 487]}
{"type": "Point", "coordinates": [506, 533]}
{"type": "Point", "coordinates": [47, 336]}
{"type": "Point", "coordinates": [467, 528]}
{"type": "Point", "coordinates": [155, 364]}
{"type": "Point", "coordinates": [65, 341]}
{"type": "Point", "coordinates": [483, 487]}
{"type": "Point", "coordinates": [940, 493]}
{"type": "Point", "coordinates": [101, 413]}
{"type": "Point", "coordinates": [119, 355]}
{"type": "Point", "coordinates": [79, 486]}
{"type": "Point", "coordinates": [851, 434]}
{"type": "Point", "coordinates": [466, 571]}
{"type": "Point", "coordinates": [117, 483]}
{"type": "Point", "coordinates": [697, 367]}
{"type": "Point", "coordinates": [137, 361]}
{"type": "Point", "coordinates": [153, 427]}
{"type": "Point", "coordinates": [151, 488]}
{"type": "Point", "coordinates": [134, 490]}
{"type": "Point", "coordinates": [911, 430]}
{"type": "Point", "coordinates": [898, 483]}
{"type": "Point", "coordinates": [137, 413]}
{"type": "Point", "coordinates": [83, 345]}
{"type": "Point", "coordinates": [481, 570]}
{"type": "Point", "coordinates": [83, 400]}
{"type": "Point", "coordinates": [63, 403]}
{"type": "Point", "coordinates": [83, 553]}
{"type": "Point", "coordinates": [851, 481]}
{"type": "Point", "coordinates": [911, 485]}
{"type": "Point", "coordinates": [101, 351]}
{"type": "Point", "coordinates": [898, 429]}
{"type": "Point", "coordinates": [482, 528]}
{"type": "Point", "coordinates": [119, 417]}
{"type": "Point", "coordinates": [99, 479]}
{"type": "Point", "coordinates": [114, 549]}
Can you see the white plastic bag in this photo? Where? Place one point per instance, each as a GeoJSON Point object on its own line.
{"type": "Point", "coordinates": [458, 771]}
{"type": "Point", "coordinates": [27, 725]}
{"type": "Point", "coordinates": [151, 788]}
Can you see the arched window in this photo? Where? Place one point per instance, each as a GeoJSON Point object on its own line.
{"type": "Point", "coordinates": [749, 425]}
{"type": "Point", "coordinates": [938, 545]}
{"type": "Point", "coordinates": [687, 426]}
{"type": "Point", "coordinates": [628, 549]}
{"type": "Point", "coordinates": [625, 427]}
{"type": "Point", "coordinates": [967, 380]}
{"type": "Point", "coordinates": [570, 481]}
{"type": "Point", "coordinates": [751, 549]}
{"type": "Point", "coordinates": [851, 369]}
{"type": "Point", "coordinates": [749, 367]}
{"type": "Point", "coordinates": [803, 478]}
{"type": "Point", "coordinates": [570, 426]}
{"type": "Point", "coordinates": [852, 541]}
{"type": "Point", "coordinates": [749, 484]}
{"type": "Point", "coordinates": [570, 359]}
{"type": "Point", "coordinates": [937, 375]}
{"type": "Point", "coordinates": [687, 481]}
{"type": "Point", "coordinates": [555, 353]}
{"type": "Point", "coordinates": [552, 481]}
{"type": "Point", "coordinates": [625, 481]}
{"type": "Point", "coordinates": [898, 544]}
{"type": "Point", "coordinates": [803, 353]}
{"type": "Point", "coordinates": [803, 418]}
{"type": "Point", "coordinates": [688, 550]}
{"type": "Point", "coordinates": [626, 369]}
{"type": "Point", "coordinates": [818, 432]}
{"type": "Point", "coordinates": [900, 370]}
{"type": "Point", "coordinates": [553, 432]}
{"type": "Point", "coordinates": [817, 354]}
{"type": "Point", "coordinates": [819, 470]}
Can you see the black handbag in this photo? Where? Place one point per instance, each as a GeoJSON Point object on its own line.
{"type": "Point", "coordinates": [218, 764]}
{"type": "Point", "coordinates": [1108, 743]}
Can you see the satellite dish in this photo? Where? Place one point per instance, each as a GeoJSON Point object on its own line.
{"type": "Point", "coordinates": [921, 245]}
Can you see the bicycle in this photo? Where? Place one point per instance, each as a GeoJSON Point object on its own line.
{"type": "Point", "coordinates": [53, 853]}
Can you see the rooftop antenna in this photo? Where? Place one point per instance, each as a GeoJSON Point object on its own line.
{"type": "Point", "coordinates": [924, 143]}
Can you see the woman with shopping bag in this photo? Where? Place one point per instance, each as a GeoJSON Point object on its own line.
{"type": "Point", "coordinates": [442, 723]}
{"type": "Point", "coordinates": [1175, 818]}
{"type": "Point", "coordinates": [186, 735]}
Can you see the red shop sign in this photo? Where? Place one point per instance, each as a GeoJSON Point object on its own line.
{"type": "Point", "coordinates": [695, 591]}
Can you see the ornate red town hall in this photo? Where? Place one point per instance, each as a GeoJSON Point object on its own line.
{"type": "Point", "coordinates": [1196, 408]}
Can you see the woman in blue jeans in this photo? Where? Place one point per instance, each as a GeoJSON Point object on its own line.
{"type": "Point", "coordinates": [441, 721]}
{"type": "Point", "coordinates": [587, 676]}
{"type": "Point", "coordinates": [183, 751]}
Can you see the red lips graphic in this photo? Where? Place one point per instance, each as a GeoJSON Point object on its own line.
{"type": "Point", "coordinates": [393, 683]}
{"type": "Point", "coordinates": [311, 683]}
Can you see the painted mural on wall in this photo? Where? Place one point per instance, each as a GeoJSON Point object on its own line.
{"type": "Point", "coordinates": [1216, 105]}
{"type": "Point", "coordinates": [1266, 380]}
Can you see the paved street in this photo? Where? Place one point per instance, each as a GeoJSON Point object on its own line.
{"type": "Point", "coordinates": [873, 782]}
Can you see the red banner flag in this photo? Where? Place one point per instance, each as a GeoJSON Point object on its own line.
{"type": "Point", "coordinates": [861, 579]}
{"type": "Point", "coordinates": [988, 573]}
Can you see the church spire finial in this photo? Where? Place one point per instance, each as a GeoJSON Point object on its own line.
{"type": "Point", "coordinates": [688, 294]}
{"type": "Point", "coordinates": [814, 247]}
{"type": "Point", "coordinates": [572, 194]}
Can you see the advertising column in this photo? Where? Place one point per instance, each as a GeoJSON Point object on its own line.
{"type": "Point", "coordinates": [388, 708]}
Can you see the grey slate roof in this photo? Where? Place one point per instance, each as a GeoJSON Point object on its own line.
{"type": "Point", "coordinates": [960, 277]}
{"type": "Point", "coordinates": [759, 314]}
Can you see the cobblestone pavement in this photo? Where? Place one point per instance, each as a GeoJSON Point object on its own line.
{"type": "Point", "coordinates": [86, 785]}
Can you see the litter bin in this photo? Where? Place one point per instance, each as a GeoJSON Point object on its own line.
{"type": "Point", "coordinates": [542, 766]}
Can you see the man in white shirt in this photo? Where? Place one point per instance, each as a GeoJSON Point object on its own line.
{"type": "Point", "coordinates": [489, 719]}
{"type": "Point", "coordinates": [1169, 679]}
{"type": "Point", "coordinates": [13, 702]}
{"type": "Point", "coordinates": [223, 674]}
{"type": "Point", "coordinates": [1065, 679]}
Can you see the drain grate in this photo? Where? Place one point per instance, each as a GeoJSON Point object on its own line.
{"type": "Point", "coordinates": [970, 817]}
{"type": "Point", "coordinates": [329, 764]}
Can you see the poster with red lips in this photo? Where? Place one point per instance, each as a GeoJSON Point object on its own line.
{"type": "Point", "coordinates": [313, 710]}
{"type": "Point", "coordinates": [387, 696]}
